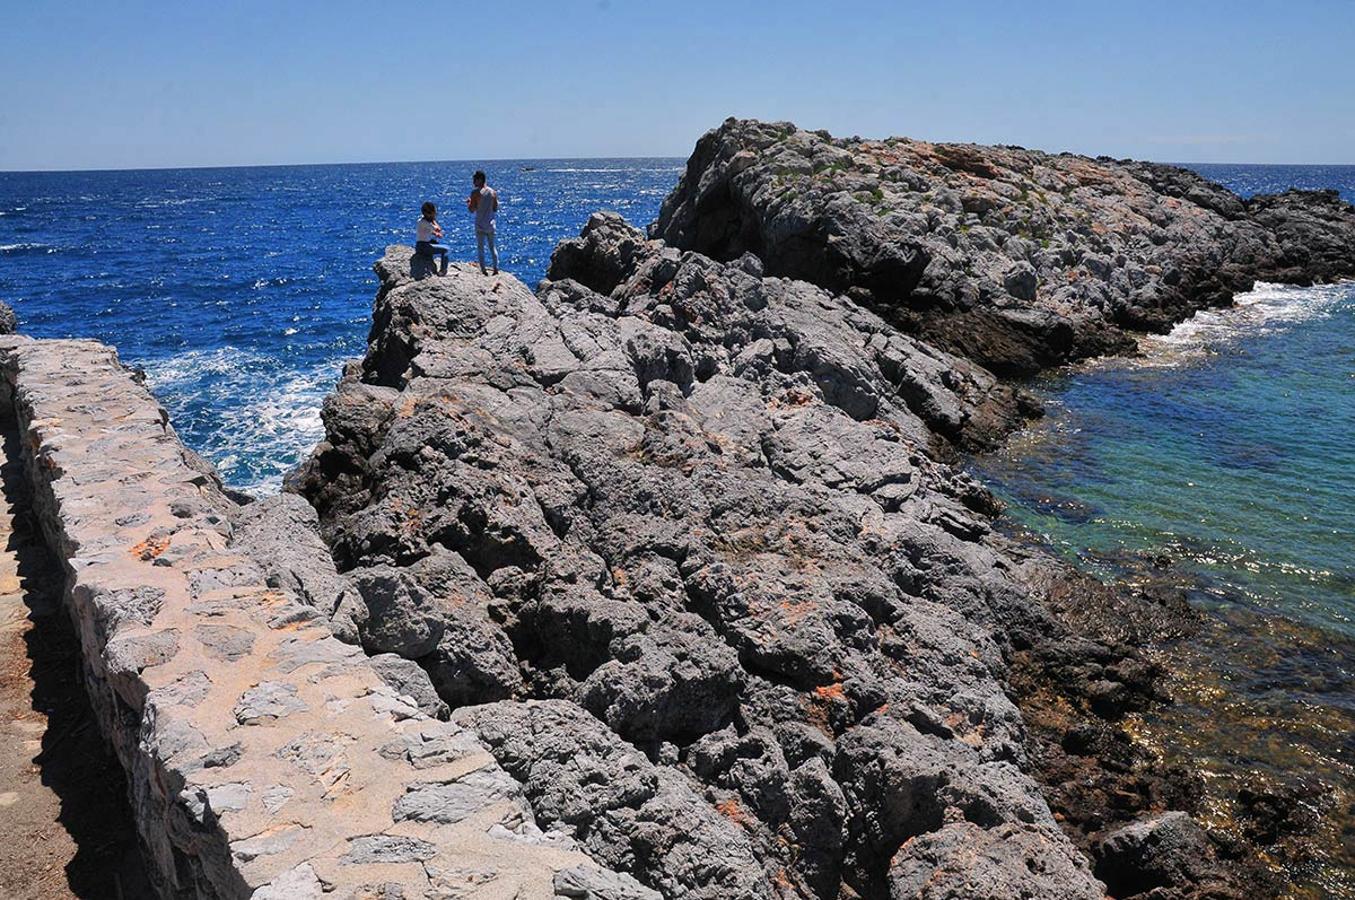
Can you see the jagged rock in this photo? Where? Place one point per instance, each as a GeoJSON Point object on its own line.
{"type": "Point", "coordinates": [603, 255]}
{"type": "Point", "coordinates": [587, 883]}
{"type": "Point", "coordinates": [1164, 857]}
{"type": "Point", "coordinates": [1015, 259]}
{"type": "Point", "coordinates": [402, 618]}
{"type": "Point", "coordinates": [707, 510]}
{"type": "Point", "coordinates": [410, 680]}
{"type": "Point", "coordinates": [962, 861]}
{"type": "Point", "coordinates": [282, 532]}
{"type": "Point", "coordinates": [677, 537]}
{"type": "Point", "coordinates": [9, 322]}
{"type": "Point", "coordinates": [1315, 230]}
{"type": "Point", "coordinates": [856, 360]}
{"type": "Point", "coordinates": [626, 812]}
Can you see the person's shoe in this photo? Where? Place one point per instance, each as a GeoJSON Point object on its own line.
{"type": "Point", "coordinates": [496, 271]}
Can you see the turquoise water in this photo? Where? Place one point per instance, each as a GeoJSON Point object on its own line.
{"type": "Point", "coordinates": [1229, 449]}
{"type": "Point", "coordinates": [1223, 460]}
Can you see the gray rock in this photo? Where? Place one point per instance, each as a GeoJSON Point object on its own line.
{"type": "Point", "coordinates": [410, 680]}
{"type": "Point", "coordinates": [652, 506]}
{"type": "Point", "coordinates": [282, 532]}
{"type": "Point", "coordinates": [449, 802]}
{"type": "Point", "coordinates": [402, 617]}
{"type": "Point", "coordinates": [628, 814]}
{"type": "Point", "coordinates": [1169, 855]}
{"type": "Point", "coordinates": [704, 523]}
{"type": "Point", "coordinates": [587, 883]}
{"type": "Point", "coordinates": [387, 848]}
{"type": "Point", "coordinates": [227, 643]}
{"type": "Point", "coordinates": [266, 701]}
{"type": "Point", "coordinates": [947, 240]}
{"type": "Point", "coordinates": [962, 861]}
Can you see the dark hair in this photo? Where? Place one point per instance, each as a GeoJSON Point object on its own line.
{"type": "Point", "coordinates": [429, 210]}
{"type": "Point", "coordinates": [478, 176]}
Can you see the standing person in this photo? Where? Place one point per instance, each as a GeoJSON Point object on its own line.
{"type": "Point", "coordinates": [484, 202]}
{"type": "Point", "coordinates": [426, 235]}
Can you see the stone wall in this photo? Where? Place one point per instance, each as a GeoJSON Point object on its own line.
{"type": "Point", "coordinates": [265, 757]}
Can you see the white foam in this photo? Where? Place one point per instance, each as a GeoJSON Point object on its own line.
{"type": "Point", "coordinates": [265, 412]}
{"type": "Point", "coordinates": [282, 423]}
{"type": "Point", "coordinates": [1266, 308]}
{"type": "Point", "coordinates": [176, 373]}
{"type": "Point", "coordinates": [150, 203]}
{"type": "Point", "coordinates": [8, 248]}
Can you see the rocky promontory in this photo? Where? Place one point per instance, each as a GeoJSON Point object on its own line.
{"type": "Point", "coordinates": [738, 631]}
{"type": "Point", "coordinates": [1015, 259]}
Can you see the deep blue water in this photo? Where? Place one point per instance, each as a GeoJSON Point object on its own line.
{"type": "Point", "coordinates": [240, 291]}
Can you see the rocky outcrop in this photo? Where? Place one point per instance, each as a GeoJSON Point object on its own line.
{"type": "Point", "coordinates": [9, 323]}
{"type": "Point", "coordinates": [1315, 230]}
{"type": "Point", "coordinates": [1014, 259]}
{"type": "Point", "coordinates": [672, 537]}
{"type": "Point", "coordinates": [265, 758]}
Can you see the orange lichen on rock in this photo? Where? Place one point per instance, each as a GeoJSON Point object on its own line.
{"type": "Point", "coordinates": [731, 810]}
{"type": "Point", "coordinates": [829, 692]}
{"type": "Point", "coordinates": [151, 547]}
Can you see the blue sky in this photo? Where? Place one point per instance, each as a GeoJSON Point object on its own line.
{"type": "Point", "coordinates": [130, 84]}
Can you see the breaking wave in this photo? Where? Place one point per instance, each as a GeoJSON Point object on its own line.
{"type": "Point", "coordinates": [255, 416]}
{"type": "Point", "coordinates": [1264, 309]}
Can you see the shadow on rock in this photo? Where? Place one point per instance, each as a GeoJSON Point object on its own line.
{"type": "Point", "coordinates": [421, 267]}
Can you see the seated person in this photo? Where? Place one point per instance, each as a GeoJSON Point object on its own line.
{"type": "Point", "coordinates": [426, 235]}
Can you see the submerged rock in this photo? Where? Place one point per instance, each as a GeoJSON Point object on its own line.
{"type": "Point", "coordinates": [1168, 855]}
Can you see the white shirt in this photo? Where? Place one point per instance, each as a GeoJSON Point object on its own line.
{"type": "Point", "coordinates": [425, 230]}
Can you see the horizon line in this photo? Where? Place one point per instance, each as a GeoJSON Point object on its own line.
{"type": "Point", "coordinates": [369, 162]}
{"type": "Point", "coordinates": [522, 159]}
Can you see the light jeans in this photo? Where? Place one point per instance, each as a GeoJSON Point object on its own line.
{"type": "Point", "coordinates": [480, 238]}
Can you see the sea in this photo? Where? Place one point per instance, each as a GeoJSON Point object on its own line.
{"type": "Point", "coordinates": [1222, 456]}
